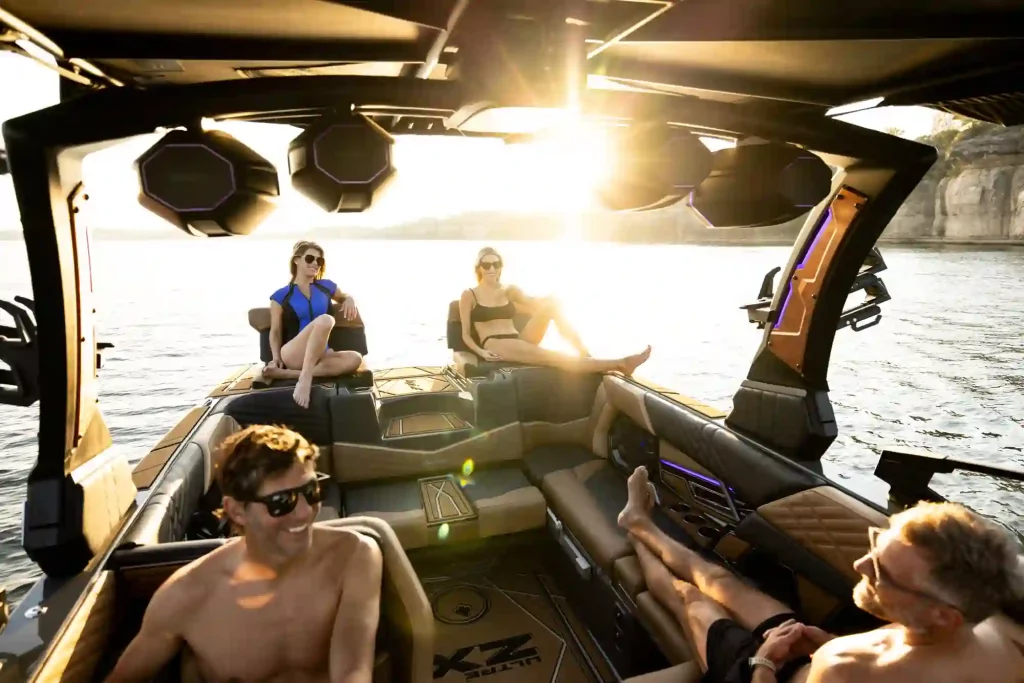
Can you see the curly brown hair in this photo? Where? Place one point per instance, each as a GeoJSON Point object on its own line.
{"type": "Point", "coordinates": [257, 452]}
{"type": "Point", "coordinates": [974, 561]}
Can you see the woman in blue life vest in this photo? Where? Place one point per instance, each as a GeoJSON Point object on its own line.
{"type": "Point", "coordinates": [301, 320]}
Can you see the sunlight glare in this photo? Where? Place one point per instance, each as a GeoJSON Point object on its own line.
{"type": "Point", "coordinates": [568, 161]}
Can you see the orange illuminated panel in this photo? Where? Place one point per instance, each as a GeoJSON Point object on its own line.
{"type": "Point", "coordinates": [788, 338]}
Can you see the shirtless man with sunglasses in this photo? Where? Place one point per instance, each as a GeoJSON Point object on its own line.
{"type": "Point", "coordinates": [285, 601]}
{"type": "Point", "coordinates": [943, 577]}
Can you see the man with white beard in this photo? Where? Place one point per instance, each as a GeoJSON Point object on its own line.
{"type": "Point", "coordinates": [944, 577]}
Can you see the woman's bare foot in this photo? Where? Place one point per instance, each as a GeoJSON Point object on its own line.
{"type": "Point", "coordinates": [302, 389]}
{"type": "Point", "coordinates": [629, 364]}
{"type": "Point", "coordinates": [641, 498]}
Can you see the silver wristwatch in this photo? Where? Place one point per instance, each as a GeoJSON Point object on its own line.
{"type": "Point", "coordinates": [762, 661]}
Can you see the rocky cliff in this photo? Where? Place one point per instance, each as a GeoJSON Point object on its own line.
{"type": "Point", "coordinates": [973, 193]}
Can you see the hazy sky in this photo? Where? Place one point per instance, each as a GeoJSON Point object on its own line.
{"type": "Point", "coordinates": [436, 176]}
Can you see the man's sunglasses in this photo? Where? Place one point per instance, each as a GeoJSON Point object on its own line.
{"type": "Point", "coordinates": [488, 265]}
{"type": "Point", "coordinates": [281, 503]}
{"type": "Point", "coordinates": [882, 578]}
{"type": "Point", "coordinates": [318, 259]}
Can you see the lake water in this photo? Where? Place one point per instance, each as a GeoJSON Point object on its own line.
{"type": "Point", "coordinates": [944, 370]}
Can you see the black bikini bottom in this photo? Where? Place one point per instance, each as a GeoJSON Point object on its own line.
{"type": "Point", "coordinates": [498, 336]}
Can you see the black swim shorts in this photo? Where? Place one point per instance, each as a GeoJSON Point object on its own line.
{"type": "Point", "coordinates": [730, 646]}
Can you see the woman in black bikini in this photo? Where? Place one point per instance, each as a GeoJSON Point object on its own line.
{"type": "Point", "coordinates": [489, 308]}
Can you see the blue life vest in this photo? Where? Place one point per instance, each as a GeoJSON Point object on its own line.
{"type": "Point", "coordinates": [298, 310]}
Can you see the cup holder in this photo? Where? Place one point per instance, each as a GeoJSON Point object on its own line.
{"type": "Point", "coordinates": [681, 508]}
{"type": "Point", "coordinates": [693, 519]}
{"type": "Point", "coordinates": [708, 532]}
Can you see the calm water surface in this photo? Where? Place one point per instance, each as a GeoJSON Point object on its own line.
{"type": "Point", "coordinates": [944, 370]}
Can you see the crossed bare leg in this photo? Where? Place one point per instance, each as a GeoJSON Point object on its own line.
{"type": "Point", "coordinates": [696, 591]}
{"type": "Point", "coordinates": [332, 364]}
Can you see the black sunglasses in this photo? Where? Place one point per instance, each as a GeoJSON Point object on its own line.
{"type": "Point", "coordinates": [310, 259]}
{"type": "Point", "coordinates": [281, 503]}
{"type": "Point", "coordinates": [488, 265]}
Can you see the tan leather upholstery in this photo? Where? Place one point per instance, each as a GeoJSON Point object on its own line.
{"type": "Point", "coordinates": [404, 605]}
{"type": "Point", "coordinates": [828, 522]}
{"type": "Point", "coordinates": [664, 629]}
{"type": "Point", "coordinates": [627, 398]}
{"type": "Point", "coordinates": [582, 513]}
{"type": "Point", "coordinates": [629, 575]}
{"type": "Point", "coordinates": [360, 462]}
{"type": "Point", "coordinates": [108, 493]}
{"type": "Point", "coordinates": [502, 501]}
{"type": "Point", "coordinates": [505, 507]}
{"type": "Point", "coordinates": [145, 470]}
{"type": "Point", "coordinates": [259, 319]}
{"type": "Point", "coordinates": [681, 673]}
{"type": "Point", "coordinates": [74, 656]}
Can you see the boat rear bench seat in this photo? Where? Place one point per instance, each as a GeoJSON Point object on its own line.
{"type": "Point", "coordinates": [542, 463]}
{"type": "Point", "coordinates": [585, 499]}
{"type": "Point", "coordinates": [439, 510]}
{"type": "Point", "coordinates": [585, 491]}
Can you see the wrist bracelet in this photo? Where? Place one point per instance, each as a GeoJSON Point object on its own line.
{"type": "Point", "coordinates": [762, 661]}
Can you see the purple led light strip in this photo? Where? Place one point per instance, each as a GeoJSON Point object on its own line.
{"type": "Point", "coordinates": [698, 475]}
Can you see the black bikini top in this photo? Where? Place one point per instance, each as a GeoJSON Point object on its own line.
{"type": "Point", "coordinates": [482, 314]}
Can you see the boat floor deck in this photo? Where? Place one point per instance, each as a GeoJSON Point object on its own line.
{"type": "Point", "coordinates": [504, 614]}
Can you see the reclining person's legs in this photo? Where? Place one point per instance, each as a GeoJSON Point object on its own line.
{"type": "Point", "coordinates": [519, 351]}
{"type": "Point", "coordinates": [694, 610]}
{"type": "Point", "coordinates": [749, 606]}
